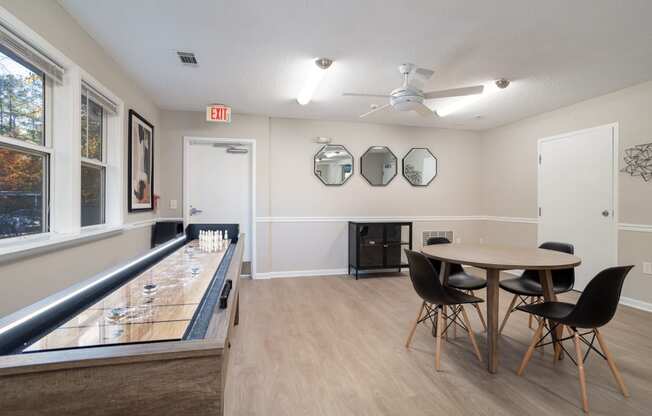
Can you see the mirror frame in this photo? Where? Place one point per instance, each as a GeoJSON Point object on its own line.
{"type": "Point", "coordinates": [395, 166]}
{"type": "Point", "coordinates": [403, 166]}
{"type": "Point", "coordinates": [314, 165]}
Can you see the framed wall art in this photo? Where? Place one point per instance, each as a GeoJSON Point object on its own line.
{"type": "Point", "coordinates": [141, 163]}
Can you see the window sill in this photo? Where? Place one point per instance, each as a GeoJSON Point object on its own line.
{"type": "Point", "coordinates": [19, 247]}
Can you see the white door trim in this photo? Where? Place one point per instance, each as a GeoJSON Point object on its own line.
{"type": "Point", "coordinates": [614, 193]}
{"type": "Point", "coordinates": [186, 155]}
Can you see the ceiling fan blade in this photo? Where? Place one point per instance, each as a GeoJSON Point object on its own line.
{"type": "Point", "coordinates": [455, 92]}
{"type": "Point", "coordinates": [382, 107]}
{"type": "Point", "coordinates": [424, 110]}
{"type": "Point", "coordinates": [355, 94]}
{"type": "Point", "coordinates": [424, 73]}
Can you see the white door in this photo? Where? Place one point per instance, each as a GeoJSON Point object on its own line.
{"type": "Point", "coordinates": [218, 186]}
{"type": "Point", "coordinates": [576, 197]}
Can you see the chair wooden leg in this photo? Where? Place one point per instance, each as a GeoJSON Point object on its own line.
{"type": "Point", "coordinates": [509, 312]}
{"type": "Point", "coordinates": [542, 350]}
{"type": "Point", "coordinates": [558, 351]}
{"type": "Point", "coordinates": [440, 324]}
{"type": "Point", "coordinates": [445, 311]}
{"type": "Point", "coordinates": [580, 368]}
{"type": "Point", "coordinates": [612, 364]}
{"type": "Point", "coordinates": [477, 308]}
{"type": "Point", "coordinates": [414, 325]}
{"type": "Point", "coordinates": [470, 332]}
{"type": "Point", "coordinates": [453, 323]}
{"type": "Point", "coordinates": [530, 350]}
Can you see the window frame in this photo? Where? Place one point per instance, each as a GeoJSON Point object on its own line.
{"type": "Point", "coordinates": [46, 150]}
{"type": "Point", "coordinates": [92, 162]}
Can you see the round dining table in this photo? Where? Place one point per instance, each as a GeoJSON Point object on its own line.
{"type": "Point", "coordinates": [494, 259]}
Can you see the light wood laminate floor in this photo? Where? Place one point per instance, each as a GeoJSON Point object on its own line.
{"type": "Point", "coordinates": [335, 346]}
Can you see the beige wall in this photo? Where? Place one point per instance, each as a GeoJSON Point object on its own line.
{"type": "Point", "coordinates": [509, 179]}
{"type": "Point", "coordinates": [286, 187]}
{"type": "Point", "coordinates": [28, 280]}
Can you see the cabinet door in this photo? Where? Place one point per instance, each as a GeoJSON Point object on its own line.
{"type": "Point", "coordinates": [394, 256]}
{"type": "Point", "coordinates": [371, 245]}
{"type": "Point", "coordinates": [393, 233]}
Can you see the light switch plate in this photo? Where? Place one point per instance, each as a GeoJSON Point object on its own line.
{"type": "Point", "coordinates": [173, 204]}
{"type": "Point", "coordinates": [647, 268]}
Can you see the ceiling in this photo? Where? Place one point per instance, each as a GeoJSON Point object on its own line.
{"type": "Point", "coordinates": [253, 54]}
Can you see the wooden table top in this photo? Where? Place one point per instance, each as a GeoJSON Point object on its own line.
{"type": "Point", "coordinates": [488, 256]}
{"type": "Point", "coordinates": [130, 315]}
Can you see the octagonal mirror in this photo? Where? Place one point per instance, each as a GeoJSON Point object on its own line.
{"type": "Point", "coordinates": [333, 164]}
{"type": "Point", "coordinates": [378, 165]}
{"type": "Point", "coordinates": [419, 166]}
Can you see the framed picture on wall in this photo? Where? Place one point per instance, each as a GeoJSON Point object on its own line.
{"type": "Point", "coordinates": [141, 163]}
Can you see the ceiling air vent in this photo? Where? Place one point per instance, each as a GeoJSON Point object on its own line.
{"type": "Point", "coordinates": [187, 58]}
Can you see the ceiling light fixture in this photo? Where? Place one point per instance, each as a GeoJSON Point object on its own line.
{"type": "Point", "coordinates": [463, 102]}
{"type": "Point", "coordinates": [313, 80]}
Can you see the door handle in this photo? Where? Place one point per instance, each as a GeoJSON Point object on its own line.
{"type": "Point", "coordinates": [195, 211]}
{"type": "Point", "coordinates": [605, 213]}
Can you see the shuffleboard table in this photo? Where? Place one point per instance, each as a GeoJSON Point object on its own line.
{"type": "Point", "coordinates": [148, 337]}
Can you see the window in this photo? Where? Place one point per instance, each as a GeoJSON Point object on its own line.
{"type": "Point", "coordinates": [55, 177]}
{"type": "Point", "coordinates": [24, 155]}
{"type": "Point", "coordinates": [93, 169]}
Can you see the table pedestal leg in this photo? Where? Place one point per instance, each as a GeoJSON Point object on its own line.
{"type": "Point", "coordinates": [444, 272]}
{"type": "Point", "coordinates": [549, 295]}
{"type": "Point", "coordinates": [492, 319]}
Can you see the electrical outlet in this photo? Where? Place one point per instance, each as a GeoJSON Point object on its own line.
{"type": "Point", "coordinates": [481, 240]}
{"type": "Point", "coordinates": [458, 240]}
{"type": "Point", "coordinates": [647, 268]}
{"type": "Point", "coordinates": [173, 204]}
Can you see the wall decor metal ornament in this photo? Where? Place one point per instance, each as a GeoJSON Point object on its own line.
{"type": "Point", "coordinates": [638, 161]}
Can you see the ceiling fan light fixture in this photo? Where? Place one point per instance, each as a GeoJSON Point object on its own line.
{"type": "Point", "coordinates": [314, 78]}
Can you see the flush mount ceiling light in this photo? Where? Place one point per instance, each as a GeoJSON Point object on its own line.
{"type": "Point", "coordinates": [489, 88]}
{"type": "Point", "coordinates": [314, 78]}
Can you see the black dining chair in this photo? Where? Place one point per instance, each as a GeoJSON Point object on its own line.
{"type": "Point", "coordinates": [458, 278]}
{"type": "Point", "coordinates": [594, 309]}
{"type": "Point", "coordinates": [527, 288]}
{"type": "Point", "coordinates": [436, 298]}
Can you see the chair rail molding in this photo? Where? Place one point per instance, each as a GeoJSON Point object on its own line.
{"type": "Point", "coordinates": [644, 228]}
{"type": "Point", "coordinates": [398, 219]}
{"type": "Point", "coordinates": [641, 228]}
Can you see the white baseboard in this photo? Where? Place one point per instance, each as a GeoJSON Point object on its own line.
{"type": "Point", "coordinates": [301, 273]}
{"type": "Point", "coordinates": [638, 304]}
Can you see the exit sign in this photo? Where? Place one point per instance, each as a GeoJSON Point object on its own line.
{"type": "Point", "coordinates": [218, 113]}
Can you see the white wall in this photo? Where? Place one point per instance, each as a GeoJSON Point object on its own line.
{"type": "Point", "coordinates": [30, 279]}
{"type": "Point", "coordinates": [288, 192]}
{"type": "Point", "coordinates": [509, 179]}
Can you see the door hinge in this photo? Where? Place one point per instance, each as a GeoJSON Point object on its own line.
{"type": "Point", "coordinates": [539, 211]}
{"type": "Point", "coordinates": [539, 159]}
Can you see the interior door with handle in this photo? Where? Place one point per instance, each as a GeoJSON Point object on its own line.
{"type": "Point", "coordinates": [576, 197]}
{"type": "Point", "coordinates": [219, 187]}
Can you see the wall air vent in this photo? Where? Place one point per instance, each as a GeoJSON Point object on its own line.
{"type": "Point", "coordinates": [428, 234]}
{"type": "Point", "coordinates": [187, 58]}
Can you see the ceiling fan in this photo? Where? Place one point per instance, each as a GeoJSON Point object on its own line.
{"type": "Point", "coordinates": [410, 98]}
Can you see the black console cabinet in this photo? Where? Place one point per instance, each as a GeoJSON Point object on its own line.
{"type": "Point", "coordinates": [378, 245]}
